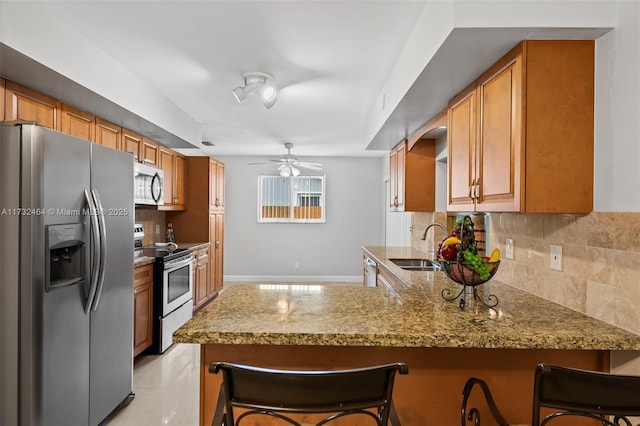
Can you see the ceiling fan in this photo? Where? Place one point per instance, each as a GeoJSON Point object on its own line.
{"type": "Point", "coordinates": [289, 165]}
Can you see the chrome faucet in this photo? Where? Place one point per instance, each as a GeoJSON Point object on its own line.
{"type": "Point", "coordinates": [439, 225]}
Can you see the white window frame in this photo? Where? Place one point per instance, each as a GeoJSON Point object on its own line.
{"type": "Point", "coordinates": [293, 197]}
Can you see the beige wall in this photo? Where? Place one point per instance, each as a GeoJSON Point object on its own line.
{"type": "Point", "coordinates": [601, 260]}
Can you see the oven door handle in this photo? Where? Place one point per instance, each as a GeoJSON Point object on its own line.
{"type": "Point", "coordinates": [173, 266]}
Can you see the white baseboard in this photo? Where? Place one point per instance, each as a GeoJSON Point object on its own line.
{"type": "Point", "coordinates": [293, 278]}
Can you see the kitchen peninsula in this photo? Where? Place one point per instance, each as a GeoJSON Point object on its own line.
{"type": "Point", "coordinates": [329, 327]}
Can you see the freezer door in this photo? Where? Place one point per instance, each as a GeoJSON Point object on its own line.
{"type": "Point", "coordinates": [111, 360]}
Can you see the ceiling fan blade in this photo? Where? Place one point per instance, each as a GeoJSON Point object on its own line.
{"type": "Point", "coordinates": [265, 162]}
{"type": "Point", "coordinates": [309, 163]}
{"type": "Point", "coordinates": [310, 166]}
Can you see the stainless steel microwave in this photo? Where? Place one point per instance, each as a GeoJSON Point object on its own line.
{"type": "Point", "coordinates": [148, 185]}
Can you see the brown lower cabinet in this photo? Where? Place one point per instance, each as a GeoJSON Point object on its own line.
{"type": "Point", "coordinates": [201, 278]}
{"type": "Point", "coordinates": [142, 308]}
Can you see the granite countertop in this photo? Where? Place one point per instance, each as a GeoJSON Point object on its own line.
{"type": "Point", "coordinates": [146, 260]}
{"type": "Point", "coordinates": [415, 315]}
{"type": "Point", "coordinates": [142, 261]}
{"type": "Point", "coordinates": [194, 246]}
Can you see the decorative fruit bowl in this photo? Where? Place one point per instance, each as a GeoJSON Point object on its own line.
{"type": "Point", "coordinates": [464, 273]}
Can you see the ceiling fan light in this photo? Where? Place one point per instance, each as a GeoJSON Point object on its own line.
{"type": "Point", "coordinates": [285, 172]}
{"type": "Point", "coordinates": [294, 171]}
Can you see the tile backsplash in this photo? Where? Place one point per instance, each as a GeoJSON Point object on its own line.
{"type": "Point", "coordinates": [600, 267]}
{"type": "Point", "coordinates": [151, 220]}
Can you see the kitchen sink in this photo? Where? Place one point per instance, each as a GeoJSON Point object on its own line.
{"type": "Point", "coordinates": [416, 264]}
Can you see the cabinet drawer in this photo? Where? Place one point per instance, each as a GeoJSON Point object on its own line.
{"type": "Point", "coordinates": [142, 275]}
{"type": "Point", "coordinates": [202, 254]}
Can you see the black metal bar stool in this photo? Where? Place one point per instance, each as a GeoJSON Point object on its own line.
{"type": "Point", "coordinates": [607, 398]}
{"type": "Point", "coordinates": [281, 393]}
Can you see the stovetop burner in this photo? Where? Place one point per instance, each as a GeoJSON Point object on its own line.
{"type": "Point", "coordinates": [161, 253]}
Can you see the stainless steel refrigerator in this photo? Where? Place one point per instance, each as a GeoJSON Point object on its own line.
{"type": "Point", "coordinates": [66, 269]}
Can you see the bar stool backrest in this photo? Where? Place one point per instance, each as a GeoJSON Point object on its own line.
{"type": "Point", "coordinates": [585, 393]}
{"type": "Point", "coordinates": [279, 393]}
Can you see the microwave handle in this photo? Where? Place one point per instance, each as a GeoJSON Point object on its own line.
{"type": "Point", "coordinates": [156, 177]}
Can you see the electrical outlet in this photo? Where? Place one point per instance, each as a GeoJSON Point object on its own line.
{"type": "Point", "coordinates": [555, 254]}
{"type": "Point", "coordinates": [157, 229]}
{"type": "Point", "coordinates": [296, 264]}
{"type": "Point", "coordinates": [508, 248]}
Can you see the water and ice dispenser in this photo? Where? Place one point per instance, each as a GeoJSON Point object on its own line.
{"type": "Point", "coordinates": [65, 255]}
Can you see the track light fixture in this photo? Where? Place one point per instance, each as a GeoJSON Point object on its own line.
{"type": "Point", "coordinates": [262, 84]}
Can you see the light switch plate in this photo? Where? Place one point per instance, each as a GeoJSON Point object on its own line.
{"type": "Point", "coordinates": [555, 254]}
{"type": "Point", "coordinates": [508, 248]}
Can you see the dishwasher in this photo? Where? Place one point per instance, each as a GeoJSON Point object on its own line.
{"type": "Point", "coordinates": [370, 272]}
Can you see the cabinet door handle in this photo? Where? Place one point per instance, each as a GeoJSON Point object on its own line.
{"type": "Point", "coordinates": [217, 202]}
{"type": "Point", "coordinates": [217, 243]}
{"type": "Point", "coordinates": [473, 182]}
{"type": "Point", "coordinates": [477, 192]}
{"type": "Point", "coordinates": [135, 291]}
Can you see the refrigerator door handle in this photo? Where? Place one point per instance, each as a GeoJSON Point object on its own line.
{"type": "Point", "coordinates": [95, 259]}
{"type": "Point", "coordinates": [103, 247]}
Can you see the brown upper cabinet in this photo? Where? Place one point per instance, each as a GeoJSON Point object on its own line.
{"type": "Point", "coordinates": [412, 177]}
{"type": "Point", "coordinates": [461, 140]}
{"type": "Point", "coordinates": [108, 134]}
{"type": "Point", "coordinates": [27, 105]}
{"type": "Point", "coordinates": [78, 123]}
{"type": "Point", "coordinates": [180, 181]}
{"type": "Point", "coordinates": [2, 97]}
{"type": "Point", "coordinates": [216, 185]}
{"type": "Point", "coordinates": [520, 138]}
{"type": "Point", "coordinates": [174, 169]}
{"type": "Point", "coordinates": [149, 152]}
{"type": "Point", "coordinates": [132, 142]}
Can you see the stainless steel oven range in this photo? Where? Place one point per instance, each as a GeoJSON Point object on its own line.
{"type": "Point", "coordinates": [172, 293]}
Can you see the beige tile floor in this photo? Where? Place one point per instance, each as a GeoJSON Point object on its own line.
{"type": "Point", "coordinates": [166, 388]}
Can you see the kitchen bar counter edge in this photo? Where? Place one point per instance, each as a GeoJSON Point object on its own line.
{"type": "Point", "coordinates": [414, 316]}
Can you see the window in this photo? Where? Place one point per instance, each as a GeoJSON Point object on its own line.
{"type": "Point", "coordinates": [291, 199]}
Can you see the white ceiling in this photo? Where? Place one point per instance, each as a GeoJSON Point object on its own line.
{"type": "Point", "coordinates": [355, 77]}
{"type": "Point", "coordinates": [330, 60]}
